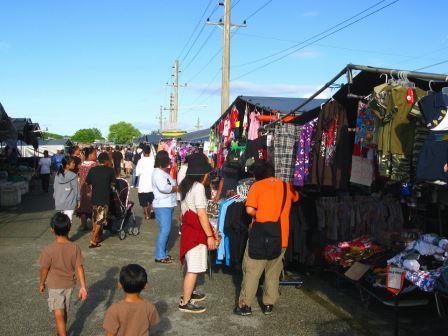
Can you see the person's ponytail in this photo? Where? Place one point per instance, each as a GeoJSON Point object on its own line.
{"type": "Point", "coordinates": [61, 169]}
{"type": "Point", "coordinates": [187, 183]}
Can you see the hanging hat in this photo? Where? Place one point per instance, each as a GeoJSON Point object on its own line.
{"type": "Point", "coordinates": [434, 109]}
{"type": "Point", "coordinates": [198, 164]}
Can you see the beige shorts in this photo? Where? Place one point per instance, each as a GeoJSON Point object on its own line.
{"type": "Point", "coordinates": [196, 259]}
{"type": "Point", "coordinates": [59, 298]}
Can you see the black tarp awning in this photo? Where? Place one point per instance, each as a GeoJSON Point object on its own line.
{"type": "Point", "coordinates": [271, 105]}
{"type": "Point", "coordinates": [27, 131]}
{"type": "Point", "coordinates": [196, 136]}
{"type": "Point", "coordinates": [8, 133]}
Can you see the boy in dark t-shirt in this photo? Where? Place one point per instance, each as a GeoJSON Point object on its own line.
{"type": "Point", "coordinates": [100, 178]}
{"type": "Point", "coordinates": [132, 316]}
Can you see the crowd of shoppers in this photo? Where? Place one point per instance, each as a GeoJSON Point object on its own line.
{"type": "Point", "coordinates": [83, 183]}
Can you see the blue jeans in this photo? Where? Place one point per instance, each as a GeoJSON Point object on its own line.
{"type": "Point", "coordinates": [134, 178]}
{"type": "Point", "coordinates": [164, 218]}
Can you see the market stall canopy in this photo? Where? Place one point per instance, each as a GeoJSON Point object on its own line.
{"type": "Point", "coordinates": [197, 136]}
{"type": "Point", "coordinates": [363, 83]}
{"type": "Point", "coordinates": [148, 138]}
{"type": "Point", "coordinates": [51, 145]}
{"type": "Point", "coordinates": [27, 131]}
{"type": "Point", "coordinates": [271, 105]}
{"type": "Point", "coordinates": [8, 132]}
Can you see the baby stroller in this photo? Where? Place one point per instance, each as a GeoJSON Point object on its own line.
{"type": "Point", "coordinates": [121, 217]}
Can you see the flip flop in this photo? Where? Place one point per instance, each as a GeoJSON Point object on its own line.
{"type": "Point", "coordinates": [164, 261]}
{"type": "Point", "coordinates": [94, 245]}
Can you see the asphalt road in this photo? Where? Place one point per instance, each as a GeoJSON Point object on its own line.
{"type": "Point", "coordinates": [318, 308]}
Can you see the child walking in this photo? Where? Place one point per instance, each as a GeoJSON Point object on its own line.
{"type": "Point", "coordinates": [132, 316]}
{"type": "Point", "coordinates": [59, 262]}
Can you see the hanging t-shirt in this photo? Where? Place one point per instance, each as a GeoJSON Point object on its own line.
{"type": "Point", "coordinates": [226, 128]}
{"type": "Point", "coordinates": [253, 126]}
{"type": "Point", "coordinates": [234, 114]}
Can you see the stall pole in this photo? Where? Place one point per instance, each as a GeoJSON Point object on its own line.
{"type": "Point", "coordinates": [322, 89]}
{"type": "Point", "coordinates": [349, 67]}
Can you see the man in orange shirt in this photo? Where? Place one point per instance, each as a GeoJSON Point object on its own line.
{"type": "Point", "coordinates": [264, 203]}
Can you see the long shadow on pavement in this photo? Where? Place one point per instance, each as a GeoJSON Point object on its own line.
{"type": "Point", "coordinates": [165, 323]}
{"type": "Point", "coordinates": [101, 292]}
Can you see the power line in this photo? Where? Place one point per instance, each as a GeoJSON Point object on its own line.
{"type": "Point", "coordinates": [200, 48]}
{"type": "Point", "coordinates": [330, 46]}
{"type": "Point", "coordinates": [217, 53]}
{"type": "Point", "coordinates": [205, 66]}
{"type": "Point", "coordinates": [312, 37]}
{"type": "Point", "coordinates": [195, 29]}
{"type": "Point", "coordinates": [313, 42]}
{"type": "Point", "coordinates": [199, 34]}
{"type": "Point", "coordinates": [207, 87]}
{"type": "Point", "coordinates": [258, 10]}
{"type": "Point", "coordinates": [431, 65]}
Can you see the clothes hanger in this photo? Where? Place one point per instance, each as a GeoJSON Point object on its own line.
{"type": "Point", "coordinates": [445, 89]}
{"type": "Point", "coordinates": [381, 76]}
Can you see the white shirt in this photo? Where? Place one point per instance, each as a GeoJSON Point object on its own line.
{"type": "Point", "coordinates": [45, 164]}
{"type": "Point", "coordinates": [195, 199]}
{"type": "Point", "coordinates": [162, 184]}
{"type": "Point", "coordinates": [144, 170]}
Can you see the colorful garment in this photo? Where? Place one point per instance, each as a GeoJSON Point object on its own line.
{"type": "Point", "coordinates": [254, 125]}
{"type": "Point", "coordinates": [85, 207]}
{"type": "Point", "coordinates": [246, 121]}
{"type": "Point", "coordinates": [331, 148]}
{"type": "Point", "coordinates": [365, 126]}
{"type": "Point", "coordinates": [302, 165]}
{"type": "Point", "coordinates": [285, 142]}
{"type": "Point", "coordinates": [425, 280]}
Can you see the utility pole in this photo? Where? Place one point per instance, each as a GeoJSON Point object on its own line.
{"type": "Point", "coordinates": [174, 98]}
{"type": "Point", "coordinates": [175, 94]}
{"type": "Point", "coordinates": [227, 25]}
{"type": "Point", "coordinates": [160, 119]}
{"type": "Point", "coordinates": [198, 125]}
{"type": "Point", "coordinates": [226, 59]}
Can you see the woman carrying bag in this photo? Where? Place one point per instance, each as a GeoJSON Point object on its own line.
{"type": "Point", "coordinates": [164, 189]}
{"type": "Point", "coordinates": [197, 233]}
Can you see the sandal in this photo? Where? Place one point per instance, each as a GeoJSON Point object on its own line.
{"type": "Point", "coordinates": [92, 245]}
{"type": "Point", "coordinates": [164, 261]}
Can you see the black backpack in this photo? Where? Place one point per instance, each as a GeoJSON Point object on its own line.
{"type": "Point", "coordinates": [136, 158]}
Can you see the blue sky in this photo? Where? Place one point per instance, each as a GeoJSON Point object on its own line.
{"type": "Point", "coordinates": [78, 64]}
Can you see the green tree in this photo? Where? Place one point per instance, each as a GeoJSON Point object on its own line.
{"type": "Point", "coordinates": [122, 132]}
{"type": "Point", "coordinates": [87, 135]}
{"type": "Point", "coordinates": [48, 135]}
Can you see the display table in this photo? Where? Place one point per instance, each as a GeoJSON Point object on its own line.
{"type": "Point", "coordinates": [408, 297]}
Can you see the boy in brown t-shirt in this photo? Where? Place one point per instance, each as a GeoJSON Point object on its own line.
{"type": "Point", "coordinates": [132, 316]}
{"type": "Point", "coordinates": [59, 262]}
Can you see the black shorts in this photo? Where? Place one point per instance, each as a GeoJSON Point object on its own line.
{"type": "Point", "coordinates": [145, 199]}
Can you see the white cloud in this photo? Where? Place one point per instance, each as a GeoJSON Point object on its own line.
{"type": "Point", "coordinates": [144, 126]}
{"type": "Point", "coordinates": [4, 46]}
{"type": "Point", "coordinates": [255, 89]}
{"type": "Point", "coordinates": [310, 14]}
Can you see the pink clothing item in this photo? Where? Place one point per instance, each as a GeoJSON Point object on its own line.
{"type": "Point", "coordinates": [254, 125]}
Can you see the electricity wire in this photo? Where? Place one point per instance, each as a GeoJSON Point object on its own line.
{"type": "Point", "coordinates": [312, 37]}
{"type": "Point", "coordinates": [314, 42]}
